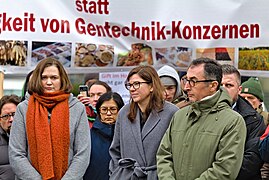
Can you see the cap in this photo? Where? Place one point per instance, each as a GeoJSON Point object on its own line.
{"type": "Point", "coordinates": [253, 86]}
{"type": "Point", "coordinates": [168, 81]}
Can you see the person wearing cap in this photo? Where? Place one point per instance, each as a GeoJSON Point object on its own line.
{"type": "Point", "coordinates": [252, 92]}
{"type": "Point", "coordinates": [171, 82]}
{"type": "Point", "coordinates": [252, 162]}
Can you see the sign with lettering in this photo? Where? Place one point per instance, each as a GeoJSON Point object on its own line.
{"type": "Point", "coordinates": [106, 35]}
{"type": "Point", "coordinates": [116, 81]}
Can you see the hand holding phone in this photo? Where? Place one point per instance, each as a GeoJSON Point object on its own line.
{"type": "Point", "coordinates": [83, 90]}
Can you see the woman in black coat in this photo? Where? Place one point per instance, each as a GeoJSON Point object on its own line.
{"type": "Point", "coordinates": [102, 133]}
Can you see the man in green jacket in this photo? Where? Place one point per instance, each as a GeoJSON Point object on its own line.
{"type": "Point", "coordinates": [205, 140]}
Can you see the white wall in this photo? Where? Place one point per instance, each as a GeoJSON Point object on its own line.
{"type": "Point", "coordinates": [13, 85]}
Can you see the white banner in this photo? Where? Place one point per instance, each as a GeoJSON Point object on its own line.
{"type": "Point", "coordinates": [116, 81]}
{"type": "Point", "coordinates": [108, 35]}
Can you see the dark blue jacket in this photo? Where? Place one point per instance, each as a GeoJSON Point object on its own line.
{"type": "Point", "coordinates": [264, 148]}
{"type": "Point", "coordinates": [101, 138]}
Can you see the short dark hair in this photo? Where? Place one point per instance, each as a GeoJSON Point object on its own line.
{"type": "Point", "coordinates": [9, 99]}
{"type": "Point", "coordinates": [212, 69]}
{"type": "Point", "coordinates": [102, 83]}
{"type": "Point", "coordinates": [35, 83]}
{"type": "Point", "coordinates": [108, 96]}
{"type": "Point", "coordinates": [228, 69]}
{"type": "Point", "coordinates": [90, 76]}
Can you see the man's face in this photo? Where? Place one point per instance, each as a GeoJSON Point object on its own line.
{"type": "Point", "coordinates": [170, 92]}
{"type": "Point", "coordinates": [6, 122]}
{"type": "Point", "coordinates": [255, 102]}
{"type": "Point", "coordinates": [201, 89]}
{"type": "Point", "coordinates": [231, 83]}
{"type": "Point", "coordinates": [95, 92]}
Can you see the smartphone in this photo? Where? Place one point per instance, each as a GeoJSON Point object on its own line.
{"type": "Point", "coordinates": [83, 90]}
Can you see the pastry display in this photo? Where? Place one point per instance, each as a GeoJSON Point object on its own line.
{"type": "Point", "coordinates": [140, 54]}
{"type": "Point", "coordinates": [58, 50]}
{"type": "Point", "coordinates": [174, 56]}
{"type": "Point", "coordinates": [90, 55]}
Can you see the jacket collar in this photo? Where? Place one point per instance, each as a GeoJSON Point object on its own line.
{"type": "Point", "coordinates": [243, 107]}
{"type": "Point", "coordinates": [217, 102]}
{"type": "Point", "coordinates": [4, 134]}
{"type": "Point", "coordinates": [106, 130]}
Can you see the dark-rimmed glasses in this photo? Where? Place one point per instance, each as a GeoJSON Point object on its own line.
{"type": "Point", "coordinates": [136, 85]}
{"type": "Point", "coordinates": [112, 110]}
{"type": "Point", "coordinates": [6, 117]}
{"type": "Point", "coordinates": [192, 82]}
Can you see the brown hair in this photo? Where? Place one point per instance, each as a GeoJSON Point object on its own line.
{"type": "Point", "coordinates": [35, 83]}
{"type": "Point", "coordinates": [149, 74]}
{"type": "Point", "coordinates": [9, 99]}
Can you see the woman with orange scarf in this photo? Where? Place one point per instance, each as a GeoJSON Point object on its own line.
{"type": "Point", "coordinates": [50, 137]}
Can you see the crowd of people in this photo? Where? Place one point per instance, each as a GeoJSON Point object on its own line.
{"type": "Point", "coordinates": [202, 124]}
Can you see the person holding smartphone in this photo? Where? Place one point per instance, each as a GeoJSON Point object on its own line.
{"type": "Point", "coordinates": [96, 89]}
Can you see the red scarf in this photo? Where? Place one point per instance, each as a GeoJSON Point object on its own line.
{"type": "Point", "coordinates": [48, 140]}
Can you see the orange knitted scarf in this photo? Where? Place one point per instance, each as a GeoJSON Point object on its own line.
{"type": "Point", "coordinates": [48, 140]}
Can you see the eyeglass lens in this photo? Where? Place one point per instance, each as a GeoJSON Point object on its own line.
{"type": "Point", "coordinates": [104, 110]}
{"type": "Point", "coordinates": [190, 81]}
{"type": "Point", "coordinates": [7, 116]}
{"type": "Point", "coordinates": [136, 85]}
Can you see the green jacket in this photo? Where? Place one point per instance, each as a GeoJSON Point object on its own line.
{"type": "Point", "coordinates": [204, 141]}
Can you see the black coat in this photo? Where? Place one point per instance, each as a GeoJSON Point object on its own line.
{"type": "Point", "coordinates": [252, 162]}
{"type": "Point", "coordinates": [253, 120]}
{"type": "Point", "coordinates": [6, 172]}
{"type": "Point", "coordinates": [101, 138]}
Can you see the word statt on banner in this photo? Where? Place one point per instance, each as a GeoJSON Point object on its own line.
{"type": "Point", "coordinates": [85, 35]}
